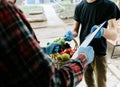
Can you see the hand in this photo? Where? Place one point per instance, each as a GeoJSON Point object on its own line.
{"type": "Point", "coordinates": [75, 34]}
{"type": "Point", "coordinates": [88, 51]}
{"type": "Point", "coordinates": [52, 48]}
{"type": "Point", "coordinates": [68, 36]}
{"type": "Point", "coordinates": [100, 32]}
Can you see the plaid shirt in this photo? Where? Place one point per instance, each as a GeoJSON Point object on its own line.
{"type": "Point", "coordinates": [23, 63]}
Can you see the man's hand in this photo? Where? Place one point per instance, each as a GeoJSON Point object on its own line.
{"type": "Point", "coordinates": [68, 36]}
{"type": "Point", "coordinates": [88, 51]}
{"type": "Point", "coordinates": [100, 32]}
{"type": "Point", "coordinates": [52, 48]}
{"type": "Point", "coordinates": [75, 34]}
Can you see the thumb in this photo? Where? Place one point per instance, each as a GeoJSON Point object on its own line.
{"type": "Point", "coordinates": [94, 28]}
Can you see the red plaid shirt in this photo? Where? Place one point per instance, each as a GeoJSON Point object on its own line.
{"type": "Point", "coordinates": [23, 63]}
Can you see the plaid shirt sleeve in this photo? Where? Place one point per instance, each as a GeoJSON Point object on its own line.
{"type": "Point", "coordinates": [22, 61]}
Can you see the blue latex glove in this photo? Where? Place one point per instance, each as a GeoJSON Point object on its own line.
{"type": "Point", "coordinates": [89, 53]}
{"type": "Point", "coordinates": [99, 34]}
{"type": "Point", "coordinates": [52, 48]}
{"type": "Point", "coordinates": [68, 36]}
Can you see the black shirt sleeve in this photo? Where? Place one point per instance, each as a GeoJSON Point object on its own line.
{"type": "Point", "coordinates": [77, 13]}
{"type": "Point", "coordinates": [114, 11]}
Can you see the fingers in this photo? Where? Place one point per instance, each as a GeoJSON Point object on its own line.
{"type": "Point", "coordinates": [56, 49]}
{"type": "Point", "coordinates": [94, 28]}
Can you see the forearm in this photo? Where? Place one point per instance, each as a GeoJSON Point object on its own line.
{"type": "Point", "coordinates": [110, 34]}
{"type": "Point", "coordinates": [76, 28]}
{"type": "Point", "coordinates": [111, 31]}
{"type": "Point", "coordinates": [71, 74]}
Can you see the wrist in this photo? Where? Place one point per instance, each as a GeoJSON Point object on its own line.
{"type": "Point", "coordinates": [82, 57]}
{"type": "Point", "coordinates": [102, 30]}
{"type": "Point", "coordinates": [45, 50]}
{"type": "Point", "coordinates": [75, 33]}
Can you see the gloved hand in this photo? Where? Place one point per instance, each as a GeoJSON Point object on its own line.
{"type": "Point", "coordinates": [52, 48]}
{"type": "Point", "coordinates": [100, 32]}
{"type": "Point", "coordinates": [89, 53]}
{"type": "Point", "coordinates": [68, 36]}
